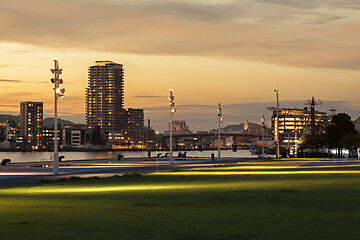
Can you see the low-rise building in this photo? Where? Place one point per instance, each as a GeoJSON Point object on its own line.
{"type": "Point", "coordinates": [133, 127]}
{"type": "Point", "coordinates": [48, 138]}
{"type": "Point", "coordinates": [74, 136]}
{"type": "Point", "coordinates": [294, 123]}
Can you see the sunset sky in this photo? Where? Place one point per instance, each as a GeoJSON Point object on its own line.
{"type": "Point", "coordinates": [207, 51]}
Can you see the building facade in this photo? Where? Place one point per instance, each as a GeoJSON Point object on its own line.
{"type": "Point", "coordinates": [74, 136]}
{"type": "Point", "coordinates": [105, 97]}
{"type": "Point", "coordinates": [49, 137]}
{"type": "Point", "coordinates": [179, 126]}
{"type": "Point", "coordinates": [149, 136]}
{"type": "Point", "coordinates": [133, 127]}
{"type": "Point", "coordinates": [295, 123]}
{"type": "Point", "coordinates": [31, 124]}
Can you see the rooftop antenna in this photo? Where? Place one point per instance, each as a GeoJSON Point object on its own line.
{"type": "Point", "coordinates": [332, 111]}
{"type": "Point", "coordinates": [312, 103]}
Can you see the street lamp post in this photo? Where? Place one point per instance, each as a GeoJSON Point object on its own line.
{"type": "Point", "coordinates": [295, 143]}
{"type": "Point", "coordinates": [220, 121]}
{"type": "Point", "coordinates": [277, 123]}
{"type": "Point", "coordinates": [172, 112]}
{"type": "Point", "coordinates": [59, 93]}
{"type": "Point", "coordinates": [263, 135]}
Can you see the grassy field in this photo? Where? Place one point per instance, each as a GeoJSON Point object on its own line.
{"type": "Point", "coordinates": [257, 200]}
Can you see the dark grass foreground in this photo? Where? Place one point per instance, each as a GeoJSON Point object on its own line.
{"type": "Point", "coordinates": [301, 206]}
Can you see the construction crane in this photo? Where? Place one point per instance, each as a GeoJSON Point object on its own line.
{"type": "Point", "coordinates": [312, 103]}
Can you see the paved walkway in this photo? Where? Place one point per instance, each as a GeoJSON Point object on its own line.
{"type": "Point", "coordinates": [35, 172]}
{"type": "Point", "coordinates": [18, 173]}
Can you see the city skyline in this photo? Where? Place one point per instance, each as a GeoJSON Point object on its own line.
{"type": "Point", "coordinates": [207, 52]}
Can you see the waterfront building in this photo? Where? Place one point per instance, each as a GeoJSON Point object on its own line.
{"type": "Point", "coordinates": [149, 136]}
{"type": "Point", "coordinates": [11, 129]}
{"type": "Point", "coordinates": [2, 131]}
{"type": "Point", "coordinates": [299, 120]}
{"type": "Point", "coordinates": [73, 136]}
{"type": "Point", "coordinates": [133, 127]}
{"type": "Point", "coordinates": [49, 136]}
{"type": "Point", "coordinates": [105, 97]}
{"type": "Point", "coordinates": [179, 126]}
{"type": "Point", "coordinates": [117, 140]}
{"type": "Point", "coordinates": [31, 124]}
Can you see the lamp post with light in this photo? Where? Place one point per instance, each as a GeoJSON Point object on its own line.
{"type": "Point", "coordinates": [296, 142]}
{"type": "Point", "coordinates": [277, 123]}
{"type": "Point", "coordinates": [59, 93]}
{"type": "Point", "coordinates": [172, 112]}
{"type": "Point", "coordinates": [263, 136]}
{"type": "Point", "coordinates": [220, 121]}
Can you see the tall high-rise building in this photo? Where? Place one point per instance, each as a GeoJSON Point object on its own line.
{"type": "Point", "coordinates": [105, 96]}
{"type": "Point", "coordinates": [31, 124]}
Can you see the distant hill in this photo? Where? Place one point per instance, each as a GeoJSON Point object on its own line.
{"type": "Point", "coordinates": [48, 122]}
{"type": "Point", "coordinates": [236, 127]}
{"type": "Point", "coordinates": [357, 124]}
{"type": "Point", "coordinates": [5, 117]}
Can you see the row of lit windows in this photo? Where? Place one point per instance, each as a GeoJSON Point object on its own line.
{"type": "Point", "coordinates": [291, 127]}
{"type": "Point", "coordinates": [292, 119]}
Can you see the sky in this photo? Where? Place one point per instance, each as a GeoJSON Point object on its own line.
{"type": "Point", "coordinates": [208, 51]}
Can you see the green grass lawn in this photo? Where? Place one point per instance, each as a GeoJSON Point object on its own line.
{"type": "Point", "coordinates": [182, 205]}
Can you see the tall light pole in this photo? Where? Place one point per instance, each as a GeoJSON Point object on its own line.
{"type": "Point", "coordinates": [277, 122]}
{"type": "Point", "coordinates": [263, 135]}
{"type": "Point", "coordinates": [59, 93]}
{"type": "Point", "coordinates": [172, 112]}
{"type": "Point", "coordinates": [220, 121]}
{"type": "Point", "coordinates": [296, 143]}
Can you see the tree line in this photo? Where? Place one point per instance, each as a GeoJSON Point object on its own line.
{"type": "Point", "coordinates": [339, 134]}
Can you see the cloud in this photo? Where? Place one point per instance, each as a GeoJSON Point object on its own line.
{"type": "Point", "coordinates": [11, 80]}
{"type": "Point", "coordinates": [6, 65]}
{"type": "Point", "coordinates": [11, 95]}
{"type": "Point", "coordinates": [21, 81]}
{"type": "Point", "coordinates": [323, 20]}
{"type": "Point", "coordinates": [313, 4]}
{"type": "Point", "coordinates": [149, 96]}
{"type": "Point", "coordinates": [306, 33]}
{"type": "Point", "coordinates": [6, 105]}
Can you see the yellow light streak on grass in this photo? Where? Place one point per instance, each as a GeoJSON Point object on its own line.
{"type": "Point", "coordinates": [272, 164]}
{"type": "Point", "coordinates": [193, 186]}
{"type": "Point", "coordinates": [257, 172]}
{"type": "Point", "coordinates": [239, 168]}
{"type": "Point", "coordinates": [92, 189]}
{"type": "Point", "coordinates": [224, 184]}
{"type": "Point", "coordinates": [290, 167]}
